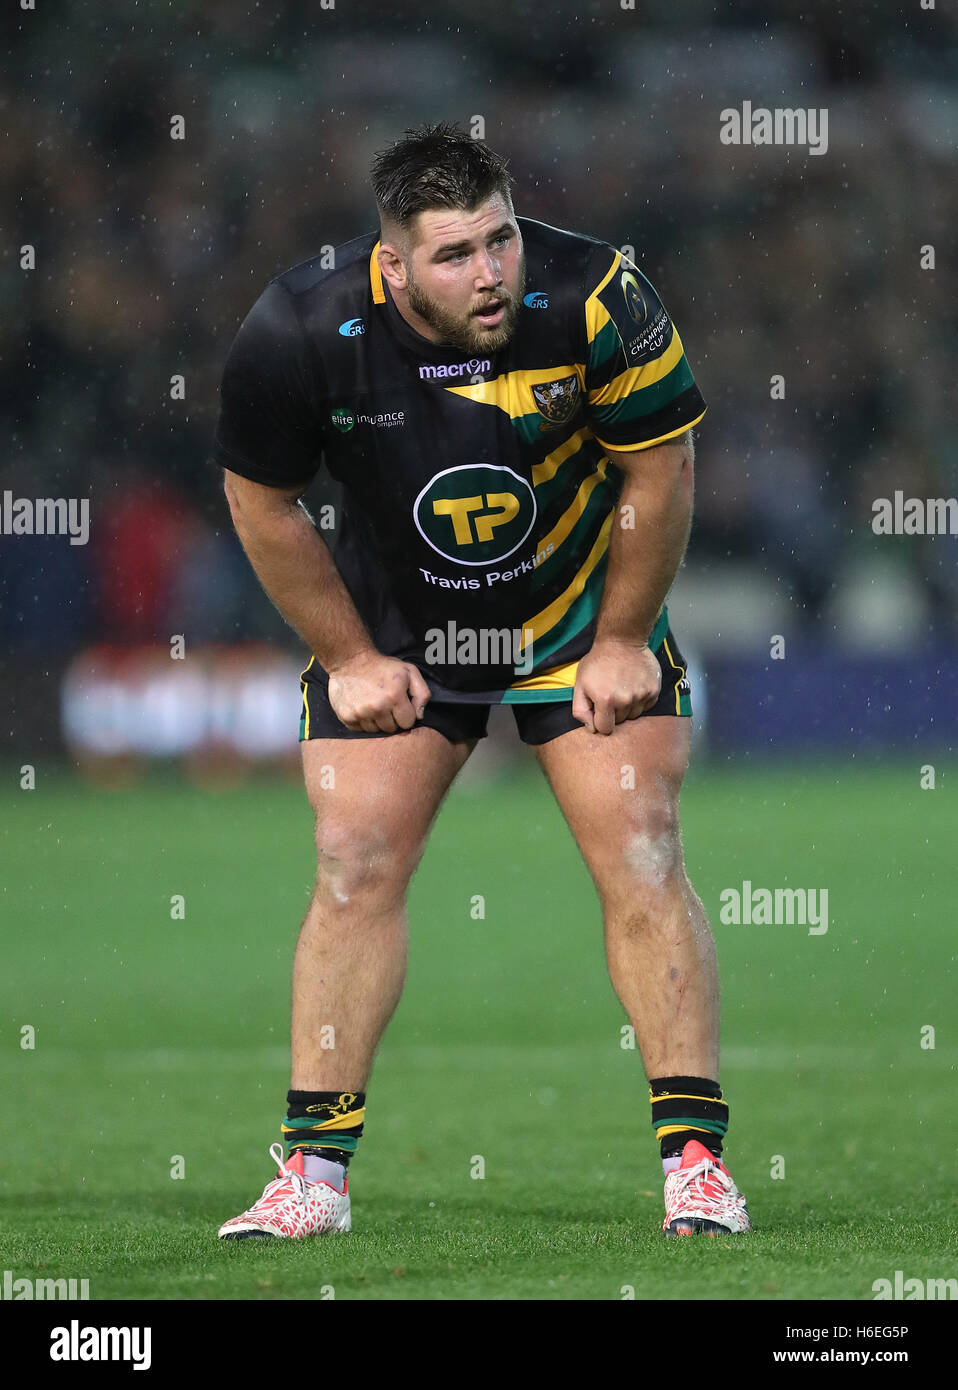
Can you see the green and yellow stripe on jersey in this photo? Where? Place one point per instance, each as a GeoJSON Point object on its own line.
{"type": "Point", "coordinates": [639, 381]}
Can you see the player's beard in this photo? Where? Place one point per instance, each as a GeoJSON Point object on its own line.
{"type": "Point", "coordinates": [464, 331]}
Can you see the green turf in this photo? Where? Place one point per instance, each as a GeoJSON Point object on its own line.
{"type": "Point", "coordinates": [158, 1037]}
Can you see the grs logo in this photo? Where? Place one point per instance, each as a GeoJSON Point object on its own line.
{"type": "Point", "coordinates": [475, 367]}
{"type": "Point", "coordinates": [352, 328]}
{"type": "Point", "coordinates": [536, 299]}
{"type": "Point", "coordinates": [475, 514]}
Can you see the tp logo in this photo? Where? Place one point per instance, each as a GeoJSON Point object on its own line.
{"type": "Point", "coordinates": [475, 514]}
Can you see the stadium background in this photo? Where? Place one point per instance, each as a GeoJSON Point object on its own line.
{"type": "Point", "coordinates": [149, 253]}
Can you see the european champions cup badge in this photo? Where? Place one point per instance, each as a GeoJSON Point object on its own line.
{"type": "Point", "coordinates": [634, 298]}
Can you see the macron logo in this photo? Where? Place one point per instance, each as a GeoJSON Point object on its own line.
{"type": "Point", "coordinates": [351, 328]}
{"type": "Point", "coordinates": [475, 367]}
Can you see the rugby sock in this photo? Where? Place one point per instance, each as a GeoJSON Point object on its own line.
{"type": "Point", "coordinates": [324, 1125]}
{"type": "Point", "coordinates": [684, 1108]}
{"type": "Point", "coordinates": [323, 1170]}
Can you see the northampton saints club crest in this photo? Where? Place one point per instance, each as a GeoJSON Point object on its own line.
{"type": "Point", "coordinates": [557, 400]}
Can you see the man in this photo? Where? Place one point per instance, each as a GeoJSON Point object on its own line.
{"type": "Point", "coordinates": [508, 408]}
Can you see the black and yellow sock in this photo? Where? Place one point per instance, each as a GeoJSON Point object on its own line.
{"type": "Point", "coordinates": [688, 1107]}
{"type": "Point", "coordinates": [328, 1123]}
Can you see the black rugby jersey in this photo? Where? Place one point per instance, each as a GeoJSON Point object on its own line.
{"type": "Point", "coordinates": [478, 497]}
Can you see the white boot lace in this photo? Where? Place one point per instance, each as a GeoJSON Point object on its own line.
{"type": "Point", "coordinates": [285, 1175]}
{"type": "Point", "coordinates": [695, 1178]}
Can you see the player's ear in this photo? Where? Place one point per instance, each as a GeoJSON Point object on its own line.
{"type": "Point", "coordinates": [391, 264]}
{"type": "Point", "coordinates": [395, 248]}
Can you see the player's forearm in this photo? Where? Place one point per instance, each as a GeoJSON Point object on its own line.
{"type": "Point", "coordinates": [295, 568]}
{"type": "Point", "coordinates": [649, 536]}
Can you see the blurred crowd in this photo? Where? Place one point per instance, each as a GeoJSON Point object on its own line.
{"type": "Point", "coordinates": [150, 250]}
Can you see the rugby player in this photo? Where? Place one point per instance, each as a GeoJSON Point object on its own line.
{"type": "Point", "coordinates": [508, 408]}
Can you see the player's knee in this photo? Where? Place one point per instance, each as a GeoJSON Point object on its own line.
{"type": "Point", "coordinates": [652, 849]}
{"type": "Point", "coordinates": [356, 864]}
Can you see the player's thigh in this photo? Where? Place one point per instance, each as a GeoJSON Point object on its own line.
{"type": "Point", "coordinates": [374, 799]}
{"type": "Point", "coordinates": [620, 796]}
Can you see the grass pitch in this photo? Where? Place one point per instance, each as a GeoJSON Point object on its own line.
{"type": "Point", "coordinates": [158, 1040]}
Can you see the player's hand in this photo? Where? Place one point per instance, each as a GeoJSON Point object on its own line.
{"type": "Point", "coordinates": [371, 693]}
{"type": "Point", "coordinates": [615, 681]}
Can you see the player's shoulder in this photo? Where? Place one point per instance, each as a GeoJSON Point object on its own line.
{"type": "Point", "coordinates": [331, 269]}
{"type": "Point", "coordinates": [329, 290]}
{"type": "Point", "coordinates": [570, 262]}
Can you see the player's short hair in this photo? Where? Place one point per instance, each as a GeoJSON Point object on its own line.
{"type": "Point", "coordinates": [436, 166]}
